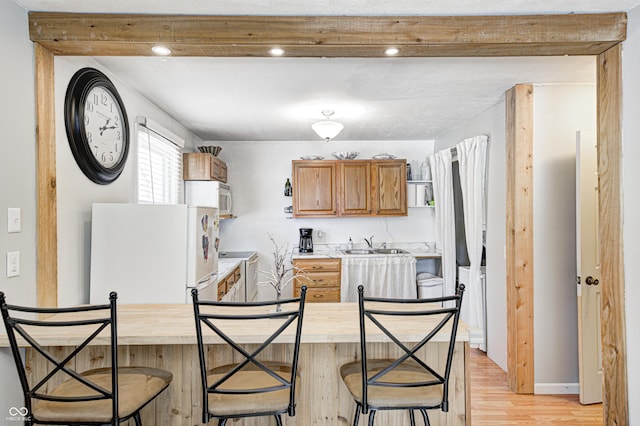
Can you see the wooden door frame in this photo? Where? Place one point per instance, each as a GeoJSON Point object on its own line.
{"type": "Point", "coordinates": [358, 36]}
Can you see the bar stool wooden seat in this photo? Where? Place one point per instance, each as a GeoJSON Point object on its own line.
{"type": "Point", "coordinates": [406, 382]}
{"type": "Point", "coordinates": [65, 395]}
{"type": "Point", "coordinates": [257, 385]}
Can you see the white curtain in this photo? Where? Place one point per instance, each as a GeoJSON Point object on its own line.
{"type": "Point", "coordinates": [441, 174]}
{"type": "Point", "coordinates": [472, 154]}
{"type": "Point", "coordinates": [381, 276]}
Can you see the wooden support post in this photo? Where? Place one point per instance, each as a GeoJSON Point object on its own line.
{"type": "Point", "coordinates": [614, 348]}
{"type": "Point", "coordinates": [519, 221]}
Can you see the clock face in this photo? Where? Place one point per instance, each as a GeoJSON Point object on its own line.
{"type": "Point", "coordinates": [103, 127]}
{"type": "Point", "coordinates": [97, 125]}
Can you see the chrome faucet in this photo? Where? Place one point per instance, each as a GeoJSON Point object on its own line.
{"type": "Point", "coordinates": [369, 241]}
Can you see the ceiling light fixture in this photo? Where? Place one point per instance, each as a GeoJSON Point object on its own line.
{"type": "Point", "coordinates": [277, 51]}
{"type": "Point", "coordinates": [391, 51]}
{"type": "Point", "coordinates": [327, 129]}
{"type": "Point", "coordinates": [161, 50]}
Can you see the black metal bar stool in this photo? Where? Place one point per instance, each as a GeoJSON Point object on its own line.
{"type": "Point", "coordinates": [98, 396]}
{"type": "Point", "coordinates": [256, 386]}
{"type": "Point", "coordinates": [407, 382]}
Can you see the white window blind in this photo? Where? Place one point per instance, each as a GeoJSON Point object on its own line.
{"type": "Point", "coordinates": [159, 168]}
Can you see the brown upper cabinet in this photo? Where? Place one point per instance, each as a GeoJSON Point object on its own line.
{"type": "Point", "coordinates": [330, 188]}
{"type": "Point", "coordinates": [203, 166]}
{"type": "Point", "coordinates": [354, 190]}
{"type": "Point", "coordinates": [314, 188]}
{"type": "Point", "coordinates": [390, 187]}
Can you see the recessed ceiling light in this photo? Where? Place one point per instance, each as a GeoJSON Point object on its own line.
{"type": "Point", "coordinates": [277, 51]}
{"type": "Point", "coordinates": [391, 51]}
{"type": "Point", "coordinates": [161, 50]}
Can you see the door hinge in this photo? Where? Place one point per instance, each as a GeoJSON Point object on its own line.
{"type": "Point", "coordinates": [578, 280]}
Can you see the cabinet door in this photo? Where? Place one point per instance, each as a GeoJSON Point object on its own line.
{"type": "Point", "coordinates": [197, 166]}
{"type": "Point", "coordinates": [355, 188]}
{"type": "Point", "coordinates": [314, 188]}
{"type": "Point", "coordinates": [390, 187]}
{"type": "Point", "coordinates": [223, 172]}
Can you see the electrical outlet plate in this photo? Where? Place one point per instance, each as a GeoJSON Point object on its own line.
{"type": "Point", "coordinates": [13, 264]}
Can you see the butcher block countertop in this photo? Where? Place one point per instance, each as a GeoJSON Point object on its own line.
{"type": "Point", "coordinates": [174, 325]}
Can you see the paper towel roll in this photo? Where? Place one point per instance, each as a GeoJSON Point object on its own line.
{"type": "Point", "coordinates": [420, 200]}
{"type": "Point", "coordinates": [411, 195]}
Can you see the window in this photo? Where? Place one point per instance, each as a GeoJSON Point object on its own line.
{"type": "Point", "coordinates": [159, 167]}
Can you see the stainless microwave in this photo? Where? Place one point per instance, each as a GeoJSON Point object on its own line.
{"type": "Point", "coordinates": [209, 194]}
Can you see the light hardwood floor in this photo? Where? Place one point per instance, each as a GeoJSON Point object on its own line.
{"type": "Point", "coordinates": [493, 403]}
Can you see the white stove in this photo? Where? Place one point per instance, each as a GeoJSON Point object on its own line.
{"type": "Point", "coordinates": [249, 270]}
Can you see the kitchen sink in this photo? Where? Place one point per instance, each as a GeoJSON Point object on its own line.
{"type": "Point", "coordinates": [359, 251]}
{"type": "Point", "coordinates": [375, 251]}
{"type": "Point", "coordinates": [390, 251]}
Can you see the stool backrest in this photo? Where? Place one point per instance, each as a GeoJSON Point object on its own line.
{"type": "Point", "coordinates": [263, 318]}
{"type": "Point", "coordinates": [21, 322]}
{"type": "Point", "coordinates": [379, 310]}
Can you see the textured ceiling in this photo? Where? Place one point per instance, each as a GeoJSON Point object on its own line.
{"type": "Point", "coordinates": [376, 99]}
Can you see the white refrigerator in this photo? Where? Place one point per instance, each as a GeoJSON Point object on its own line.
{"type": "Point", "coordinates": [153, 253]}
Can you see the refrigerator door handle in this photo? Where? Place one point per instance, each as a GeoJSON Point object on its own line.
{"type": "Point", "coordinates": [204, 280]}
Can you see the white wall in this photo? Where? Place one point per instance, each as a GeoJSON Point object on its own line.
{"type": "Point", "coordinates": [257, 173]}
{"type": "Point", "coordinates": [76, 192]}
{"type": "Point", "coordinates": [558, 112]}
{"type": "Point", "coordinates": [491, 123]}
{"type": "Point", "coordinates": [631, 205]}
{"type": "Point", "coordinates": [17, 174]}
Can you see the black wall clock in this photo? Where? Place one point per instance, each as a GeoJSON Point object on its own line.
{"type": "Point", "coordinates": [97, 125]}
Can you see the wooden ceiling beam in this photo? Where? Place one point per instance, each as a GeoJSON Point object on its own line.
{"type": "Point", "coordinates": [327, 36]}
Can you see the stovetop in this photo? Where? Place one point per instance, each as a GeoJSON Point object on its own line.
{"type": "Point", "coordinates": [236, 254]}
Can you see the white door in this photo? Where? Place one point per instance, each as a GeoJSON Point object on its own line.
{"type": "Point", "coordinates": [588, 273]}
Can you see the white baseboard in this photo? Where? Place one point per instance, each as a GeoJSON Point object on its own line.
{"type": "Point", "coordinates": [557, 388]}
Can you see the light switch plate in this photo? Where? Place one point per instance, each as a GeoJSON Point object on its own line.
{"type": "Point", "coordinates": [14, 221]}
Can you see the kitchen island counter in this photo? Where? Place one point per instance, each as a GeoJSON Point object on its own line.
{"type": "Point", "coordinates": [163, 336]}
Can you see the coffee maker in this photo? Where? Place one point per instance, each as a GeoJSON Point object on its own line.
{"type": "Point", "coordinates": [306, 240]}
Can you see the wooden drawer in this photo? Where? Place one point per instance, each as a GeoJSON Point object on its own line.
{"type": "Point", "coordinates": [331, 294]}
{"type": "Point", "coordinates": [319, 279]}
{"type": "Point", "coordinates": [317, 265]}
{"type": "Point", "coordinates": [232, 279]}
{"type": "Point", "coordinates": [222, 289]}
{"type": "Point", "coordinates": [229, 282]}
